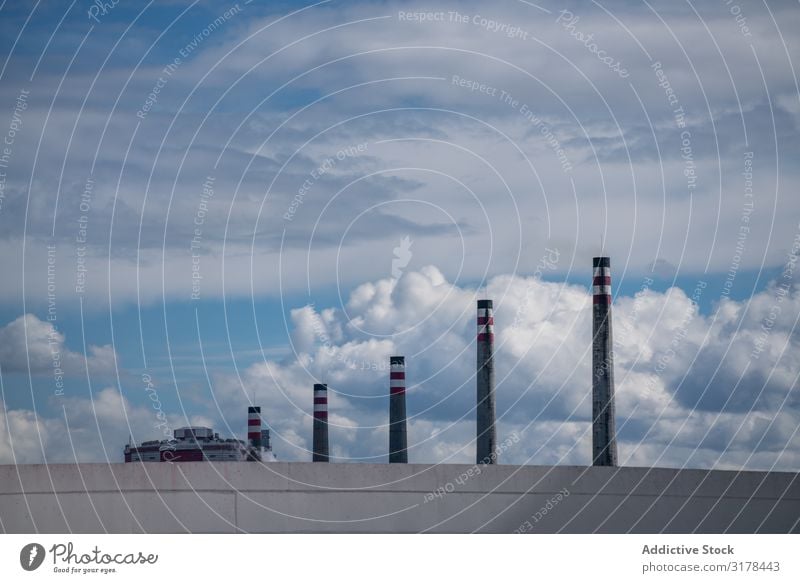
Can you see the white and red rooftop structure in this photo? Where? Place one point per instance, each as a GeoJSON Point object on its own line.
{"type": "Point", "coordinates": [202, 444]}
{"type": "Point", "coordinates": [189, 444]}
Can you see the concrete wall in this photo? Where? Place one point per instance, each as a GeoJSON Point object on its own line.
{"type": "Point", "coordinates": [306, 497]}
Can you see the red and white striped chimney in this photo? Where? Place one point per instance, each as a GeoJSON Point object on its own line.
{"type": "Point", "coordinates": [254, 434]}
{"type": "Point", "coordinates": [320, 432]}
{"type": "Point", "coordinates": [486, 437]}
{"type": "Point", "coordinates": [604, 442]}
{"type": "Point", "coordinates": [398, 439]}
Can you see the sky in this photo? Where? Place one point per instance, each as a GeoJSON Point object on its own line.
{"type": "Point", "coordinates": [207, 205]}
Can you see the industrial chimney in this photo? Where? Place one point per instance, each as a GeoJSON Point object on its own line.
{"type": "Point", "coordinates": [254, 434]}
{"type": "Point", "coordinates": [266, 447]}
{"type": "Point", "coordinates": [604, 444]}
{"type": "Point", "coordinates": [266, 442]}
{"type": "Point", "coordinates": [398, 439]}
{"type": "Point", "coordinates": [486, 440]}
{"type": "Point", "coordinates": [320, 435]}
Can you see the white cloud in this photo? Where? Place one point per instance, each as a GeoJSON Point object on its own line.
{"type": "Point", "coordinates": [29, 341]}
{"type": "Point", "coordinates": [82, 430]}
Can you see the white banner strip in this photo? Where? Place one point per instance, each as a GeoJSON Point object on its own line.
{"type": "Point", "coordinates": [356, 558]}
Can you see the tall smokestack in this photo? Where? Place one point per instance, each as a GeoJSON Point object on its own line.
{"type": "Point", "coordinates": [320, 437]}
{"type": "Point", "coordinates": [604, 444]}
{"type": "Point", "coordinates": [486, 441]}
{"type": "Point", "coordinates": [254, 434]}
{"type": "Point", "coordinates": [398, 439]}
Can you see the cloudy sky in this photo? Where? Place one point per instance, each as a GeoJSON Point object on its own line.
{"type": "Point", "coordinates": [231, 201]}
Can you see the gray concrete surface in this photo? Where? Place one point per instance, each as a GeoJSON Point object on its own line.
{"type": "Point", "coordinates": [308, 497]}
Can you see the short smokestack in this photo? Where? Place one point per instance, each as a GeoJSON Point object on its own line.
{"type": "Point", "coordinates": [398, 438]}
{"type": "Point", "coordinates": [604, 444]}
{"type": "Point", "coordinates": [486, 442]}
{"type": "Point", "coordinates": [266, 442]}
{"type": "Point", "coordinates": [320, 436]}
{"type": "Point", "coordinates": [254, 434]}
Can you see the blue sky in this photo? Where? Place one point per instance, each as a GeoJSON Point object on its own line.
{"type": "Point", "coordinates": [282, 151]}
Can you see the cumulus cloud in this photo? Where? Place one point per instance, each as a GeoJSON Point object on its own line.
{"type": "Point", "coordinates": [31, 342]}
{"type": "Point", "coordinates": [82, 430]}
